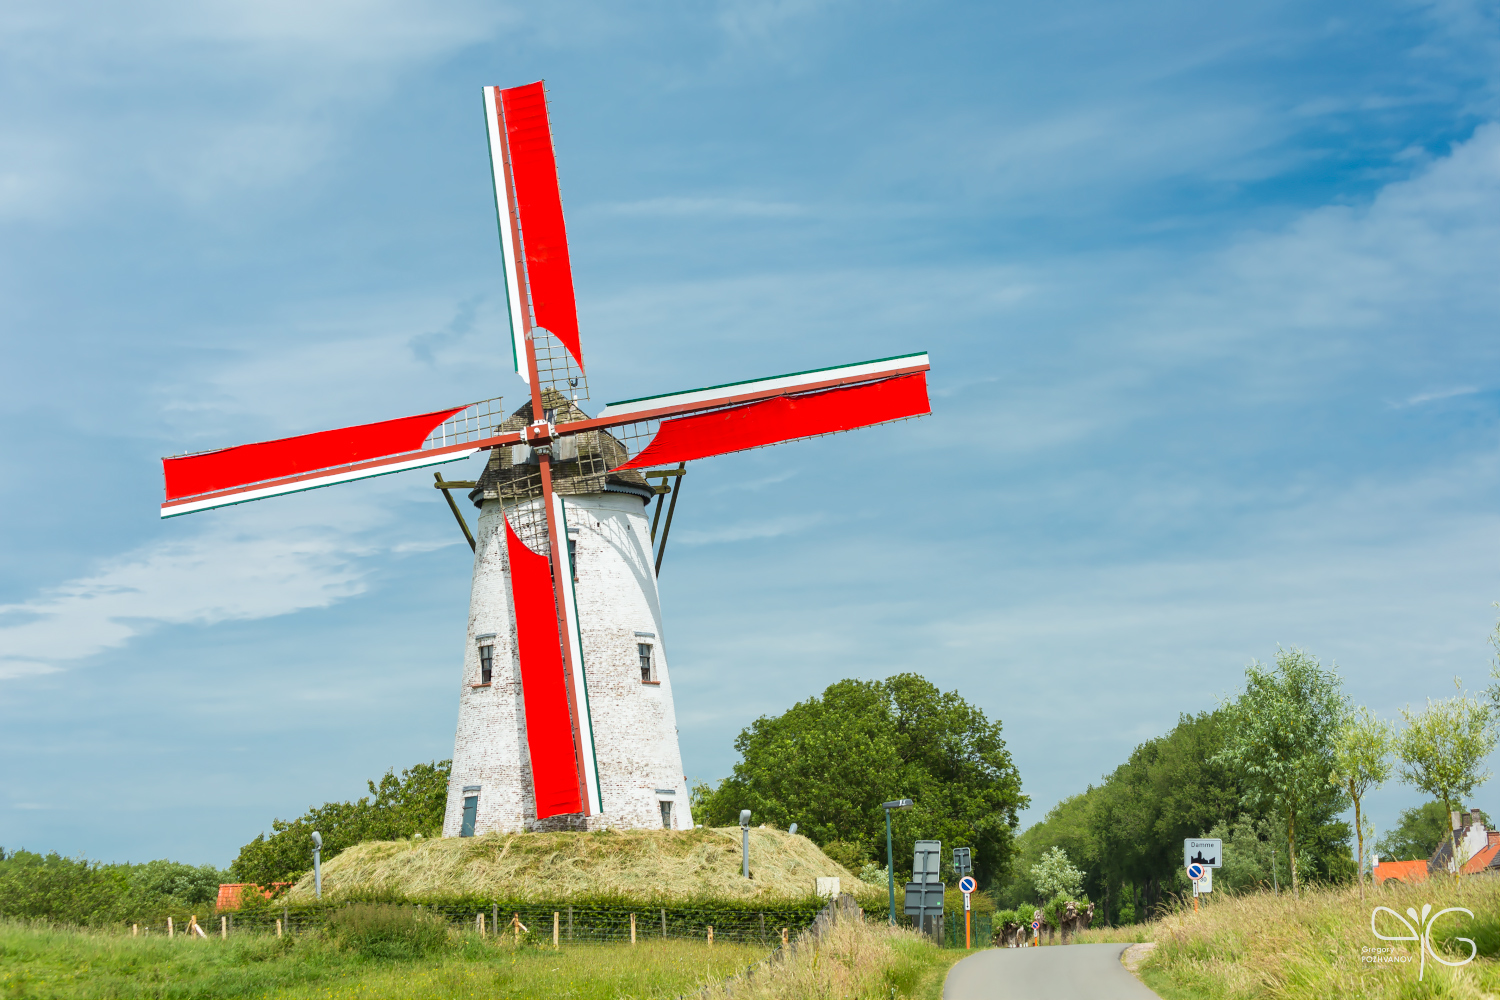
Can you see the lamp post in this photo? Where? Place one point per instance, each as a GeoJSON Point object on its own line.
{"type": "Point", "coordinates": [317, 863]}
{"type": "Point", "coordinates": [890, 857]}
{"type": "Point", "coordinates": [745, 835]}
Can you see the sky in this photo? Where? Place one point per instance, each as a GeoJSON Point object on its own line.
{"type": "Point", "coordinates": [1209, 292]}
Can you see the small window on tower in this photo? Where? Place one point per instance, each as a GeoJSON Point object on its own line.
{"type": "Point", "coordinates": [486, 663]}
{"type": "Point", "coordinates": [648, 666]}
{"type": "Point", "coordinates": [573, 557]}
{"type": "Point", "coordinates": [666, 815]}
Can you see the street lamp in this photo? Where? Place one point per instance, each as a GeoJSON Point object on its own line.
{"type": "Point", "coordinates": [890, 857]}
{"type": "Point", "coordinates": [317, 863]}
{"type": "Point", "coordinates": [745, 833]}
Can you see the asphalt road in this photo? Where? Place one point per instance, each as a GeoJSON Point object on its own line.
{"type": "Point", "coordinates": [1081, 971]}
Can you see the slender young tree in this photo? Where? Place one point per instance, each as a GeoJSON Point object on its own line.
{"type": "Point", "coordinates": [1281, 735]}
{"type": "Point", "coordinates": [1361, 761]}
{"type": "Point", "coordinates": [1443, 748]}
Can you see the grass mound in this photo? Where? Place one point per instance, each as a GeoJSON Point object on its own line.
{"type": "Point", "coordinates": [1261, 945]}
{"type": "Point", "coordinates": [554, 867]}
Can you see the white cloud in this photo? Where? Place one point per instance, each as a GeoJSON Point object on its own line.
{"type": "Point", "coordinates": [292, 554]}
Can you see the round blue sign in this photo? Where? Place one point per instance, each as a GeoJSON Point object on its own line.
{"type": "Point", "coordinates": [1195, 872]}
{"type": "Point", "coordinates": [967, 884]}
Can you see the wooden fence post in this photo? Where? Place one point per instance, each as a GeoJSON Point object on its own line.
{"type": "Point", "coordinates": [554, 929]}
{"type": "Point", "coordinates": [135, 930]}
{"type": "Point", "coordinates": [763, 927]}
{"type": "Point", "coordinates": [224, 928]}
{"type": "Point", "coordinates": [171, 932]}
{"type": "Point", "coordinates": [783, 937]}
{"type": "Point", "coordinates": [495, 918]}
{"type": "Point", "coordinates": [664, 923]}
{"type": "Point", "coordinates": [710, 934]}
{"type": "Point", "coordinates": [278, 927]}
{"type": "Point", "coordinates": [570, 923]}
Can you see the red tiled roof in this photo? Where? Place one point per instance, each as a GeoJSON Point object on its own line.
{"type": "Point", "coordinates": [1486, 855]}
{"type": "Point", "coordinates": [229, 893]}
{"type": "Point", "coordinates": [1410, 872]}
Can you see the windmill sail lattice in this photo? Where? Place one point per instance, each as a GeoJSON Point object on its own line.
{"type": "Point", "coordinates": [564, 608]}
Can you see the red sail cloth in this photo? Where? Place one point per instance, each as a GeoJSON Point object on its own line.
{"type": "Point", "coordinates": [227, 468]}
{"type": "Point", "coordinates": [549, 728]}
{"type": "Point", "coordinates": [784, 418]}
{"type": "Point", "coordinates": [533, 168]}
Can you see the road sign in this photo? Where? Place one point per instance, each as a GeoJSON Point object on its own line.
{"type": "Point", "coordinates": [967, 884]}
{"type": "Point", "coordinates": [963, 863]}
{"type": "Point", "coordinates": [1206, 852]}
{"type": "Point", "coordinates": [927, 855]}
{"type": "Point", "coordinates": [1206, 883]}
{"type": "Point", "coordinates": [1195, 871]}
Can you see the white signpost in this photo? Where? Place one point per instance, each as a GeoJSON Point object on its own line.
{"type": "Point", "coordinates": [967, 885]}
{"type": "Point", "coordinates": [1208, 852]}
{"type": "Point", "coordinates": [1206, 883]}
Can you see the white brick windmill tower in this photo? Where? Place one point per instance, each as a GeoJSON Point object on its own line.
{"type": "Point", "coordinates": [565, 705]}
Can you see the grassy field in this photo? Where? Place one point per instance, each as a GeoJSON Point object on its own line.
{"type": "Point", "coordinates": [1261, 945]}
{"type": "Point", "coordinates": [857, 960]}
{"type": "Point", "coordinates": [44, 962]}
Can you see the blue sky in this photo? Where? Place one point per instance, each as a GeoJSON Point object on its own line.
{"type": "Point", "coordinates": [1210, 296]}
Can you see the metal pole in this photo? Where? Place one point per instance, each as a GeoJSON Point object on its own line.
{"type": "Point", "coordinates": [317, 863]}
{"type": "Point", "coordinates": [890, 864]}
{"type": "Point", "coordinates": [745, 834]}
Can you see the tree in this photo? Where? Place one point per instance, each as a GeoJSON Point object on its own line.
{"type": "Point", "coordinates": [1281, 738]}
{"type": "Point", "coordinates": [1443, 748]}
{"type": "Point", "coordinates": [1361, 761]}
{"type": "Point", "coordinates": [401, 807]}
{"type": "Point", "coordinates": [829, 762]}
{"type": "Point", "coordinates": [1056, 877]}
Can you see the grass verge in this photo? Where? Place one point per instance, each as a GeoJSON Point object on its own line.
{"type": "Point", "coordinates": [39, 961]}
{"type": "Point", "coordinates": [1321, 945]}
{"type": "Point", "coordinates": [858, 960]}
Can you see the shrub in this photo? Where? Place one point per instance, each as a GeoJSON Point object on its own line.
{"type": "Point", "coordinates": [385, 931]}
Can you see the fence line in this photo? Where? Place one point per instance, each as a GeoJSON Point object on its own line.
{"type": "Point", "coordinates": [547, 922]}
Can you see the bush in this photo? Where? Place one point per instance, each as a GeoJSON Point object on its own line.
{"type": "Point", "coordinates": [385, 931]}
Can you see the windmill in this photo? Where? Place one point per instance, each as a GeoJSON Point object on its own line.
{"type": "Point", "coordinates": [565, 713]}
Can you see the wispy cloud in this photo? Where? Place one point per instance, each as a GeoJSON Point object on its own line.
{"type": "Point", "coordinates": [708, 207]}
{"type": "Point", "coordinates": [1431, 397]}
{"type": "Point", "coordinates": [307, 553]}
{"type": "Point", "coordinates": [748, 530]}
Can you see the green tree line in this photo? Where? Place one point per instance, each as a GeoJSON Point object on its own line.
{"type": "Point", "coordinates": [828, 763]}
{"type": "Point", "coordinates": [407, 805]}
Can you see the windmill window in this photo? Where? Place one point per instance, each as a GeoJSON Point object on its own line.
{"type": "Point", "coordinates": [648, 663]}
{"type": "Point", "coordinates": [573, 557]}
{"type": "Point", "coordinates": [666, 815]}
{"type": "Point", "coordinates": [486, 663]}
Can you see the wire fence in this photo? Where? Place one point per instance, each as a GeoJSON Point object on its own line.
{"type": "Point", "coordinates": [532, 922]}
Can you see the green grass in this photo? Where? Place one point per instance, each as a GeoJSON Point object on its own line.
{"type": "Point", "coordinates": [38, 961]}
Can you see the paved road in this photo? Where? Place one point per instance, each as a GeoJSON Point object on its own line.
{"type": "Point", "coordinates": [1074, 972]}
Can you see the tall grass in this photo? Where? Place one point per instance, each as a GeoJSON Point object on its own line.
{"type": "Point", "coordinates": [1263, 945]}
{"type": "Point", "coordinates": [855, 959]}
